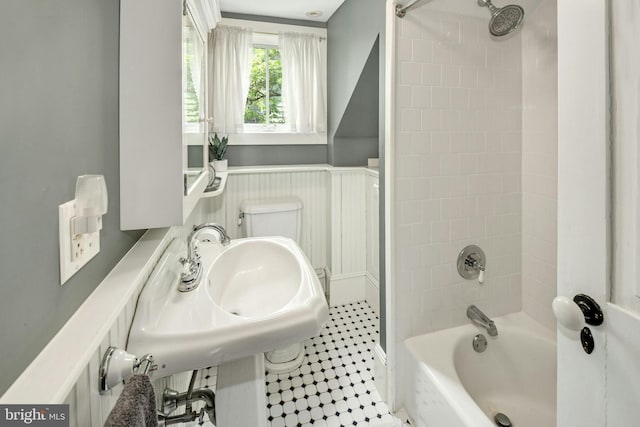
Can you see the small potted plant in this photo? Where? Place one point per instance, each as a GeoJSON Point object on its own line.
{"type": "Point", "coordinates": [217, 149]}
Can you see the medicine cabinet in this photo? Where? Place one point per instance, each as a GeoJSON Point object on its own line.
{"type": "Point", "coordinates": [163, 118]}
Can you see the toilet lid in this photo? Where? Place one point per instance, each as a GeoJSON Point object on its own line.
{"type": "Point", "coordinates": [268, 206]}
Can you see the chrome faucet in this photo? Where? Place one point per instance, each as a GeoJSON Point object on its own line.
{"type": "Point", "coordinates": [481, 319]}
{"type": "Point", "coordinates": [191, 265]}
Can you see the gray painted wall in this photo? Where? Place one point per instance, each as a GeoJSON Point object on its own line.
{"type": "Point", "coordinates": [251, 155]}
{"type": "Point", "coordinates": [58, 120]}
{"type": "Point", "coordinates": [356, 138]}
{"type": "Point", "coordinates": [274, 19]}
{"type": "Point", "coordinates": [352, 32]}
{"type": "Point", "coordinates": [263, 155]}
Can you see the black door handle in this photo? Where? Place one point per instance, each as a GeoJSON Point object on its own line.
{"type": "Point", "coordinates": [592, 312]}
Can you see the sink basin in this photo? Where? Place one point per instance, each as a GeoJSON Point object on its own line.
{"type": "Point", "coordinates": [244, 287]}
{"type": "Point", "coordinates": [257, 294]}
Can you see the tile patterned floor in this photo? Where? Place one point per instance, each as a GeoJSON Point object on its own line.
{"type": "Point", "coordinates": [334, 386]}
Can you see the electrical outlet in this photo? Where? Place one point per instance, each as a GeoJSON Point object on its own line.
{"type": "Point", "coordinates": [75, 249]}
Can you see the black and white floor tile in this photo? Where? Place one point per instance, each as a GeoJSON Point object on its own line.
{"type": "Point", "coordinates": [334, 387]}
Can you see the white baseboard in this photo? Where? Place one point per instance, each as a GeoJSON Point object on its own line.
{"type": "Point", "coordinates": [372, 293]}
{"type": "Point", "coordinates": [348, 288]}
{"type": "Point", "coordinates": [380, 370]}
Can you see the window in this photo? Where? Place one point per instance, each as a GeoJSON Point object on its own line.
{"type": "Point", "coordinates": [264, 108]}
{"type": "Point", "coordinates": [253, 108]}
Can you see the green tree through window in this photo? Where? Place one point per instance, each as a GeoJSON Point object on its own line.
{"type": "Point", "coordinates": [264, 102]}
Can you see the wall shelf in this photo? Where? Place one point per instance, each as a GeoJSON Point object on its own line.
{"type": "Point", "coordinates": [223, 182]}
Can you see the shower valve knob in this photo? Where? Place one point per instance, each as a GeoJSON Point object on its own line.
{"type": "Point", "coordinates": [472, 263]}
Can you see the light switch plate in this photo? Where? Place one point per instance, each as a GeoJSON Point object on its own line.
{"type": "Point", "coordinates": [75, 250]}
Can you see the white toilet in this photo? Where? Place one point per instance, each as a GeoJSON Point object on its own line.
{"type": "Point", "coordinates": [282, 217]}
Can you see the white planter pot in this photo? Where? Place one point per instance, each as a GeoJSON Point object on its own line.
{"type": "Point", "coordinates": [220, 165]}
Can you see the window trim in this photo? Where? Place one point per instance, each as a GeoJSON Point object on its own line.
{"type": "Point", "coordinates": [277, 138]}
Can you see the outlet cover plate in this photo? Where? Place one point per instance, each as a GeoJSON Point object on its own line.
{"type": "Point", "coordinates": [75, 250]}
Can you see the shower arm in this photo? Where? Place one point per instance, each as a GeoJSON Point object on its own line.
{"type": "Point", "coordinates": [489, 5]}
{"type": "Point", "coordinates": [401, 10]}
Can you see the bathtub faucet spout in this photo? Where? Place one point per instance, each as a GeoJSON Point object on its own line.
{"type": "Point", "coordinates": [481, 319]}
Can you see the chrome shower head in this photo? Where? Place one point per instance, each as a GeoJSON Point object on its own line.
{"type": "Point", "coordinates": [504, 20]}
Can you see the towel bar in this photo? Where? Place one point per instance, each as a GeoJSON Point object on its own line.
{"type": "Point", "coordinates": [117, 365]}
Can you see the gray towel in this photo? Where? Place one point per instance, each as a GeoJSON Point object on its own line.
{"type": "Point", "coordinates": [136, 406]}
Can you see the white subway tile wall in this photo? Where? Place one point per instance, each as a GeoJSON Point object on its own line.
{"type": "Point", "coordinates": [540, 162]}
{"type": "Point", "coordinates": [458, 162]}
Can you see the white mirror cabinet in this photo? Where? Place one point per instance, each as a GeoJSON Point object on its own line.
{"type": "Point", "coordinates": [163, 117]}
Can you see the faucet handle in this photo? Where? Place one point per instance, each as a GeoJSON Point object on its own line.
{"type": "Point", "coordinates": [195, 254]}
{"type": "Point", "coordinates": [472, 263]}
{"type": "Point", "coordinates": [187, 266]}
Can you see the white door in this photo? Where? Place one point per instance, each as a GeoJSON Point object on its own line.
{"type": "Point", "coordinates": [602, 388]}
{"type": "Point", "coordinates": [583, 218]}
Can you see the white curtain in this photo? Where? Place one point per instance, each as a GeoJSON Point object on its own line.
{"type": "Point", "coordinates": [303, 87]}
{"type": "Point", "coordinates": [230, 54]}
{"type": "Point", "coordinates": [211, 11]}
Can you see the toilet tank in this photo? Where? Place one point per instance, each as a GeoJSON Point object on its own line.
{"type": "Point", "coordinates": [272, 218]}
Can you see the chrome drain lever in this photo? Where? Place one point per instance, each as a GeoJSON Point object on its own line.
{"type": "Point", "coordinates": [479, 343]}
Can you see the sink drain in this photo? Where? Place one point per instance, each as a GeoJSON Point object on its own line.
{"type": "Point", "coordinates": [502, 420]}
{"type": "Point", "coordinates": [235, 313]}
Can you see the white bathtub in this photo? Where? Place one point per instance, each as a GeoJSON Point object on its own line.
{"type": "Point", "coordinates": [450, 385]}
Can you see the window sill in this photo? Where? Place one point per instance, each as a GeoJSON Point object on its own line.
{"type": "Point", "coordinates": [277, 138]}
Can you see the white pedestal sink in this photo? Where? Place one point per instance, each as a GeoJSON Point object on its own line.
{"type": "Point", "coordinates": [241, 395]}
{"type": "Point", "coordinates": [258, 294]}
{"type": "Point", "coordinates": [257, 278]}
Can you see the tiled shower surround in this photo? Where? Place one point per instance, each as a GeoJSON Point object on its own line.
{"type": "Point", "coordinates": [540, 162]}
{"type": "Point", "coordinates": [458, 151]}
{"type": "Point", "coordinates": [475, 158]}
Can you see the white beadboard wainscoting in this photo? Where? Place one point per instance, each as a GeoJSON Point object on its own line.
{"type": "Point", "coordinates": [309, 184]}
{"type": "Point", "coordinates": [348, 237]}
{"type": "Point", "coordinates": [338, 216]}
{"type": "Point", "coordinates": [66, 371]}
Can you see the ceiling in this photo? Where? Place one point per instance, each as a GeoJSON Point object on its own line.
{"type": "Point", "coordinates": [292, 9]}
